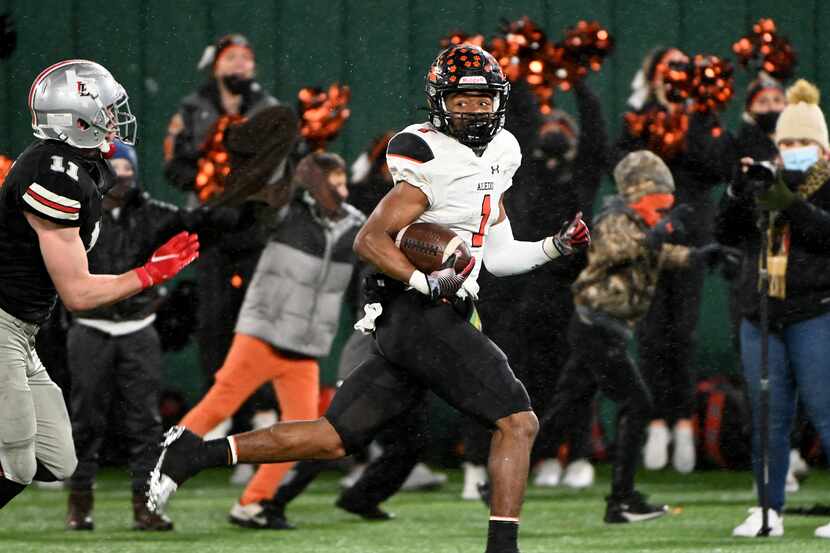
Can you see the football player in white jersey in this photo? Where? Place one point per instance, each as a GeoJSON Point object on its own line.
{"type": "Point", "coordinates": [452, 170]}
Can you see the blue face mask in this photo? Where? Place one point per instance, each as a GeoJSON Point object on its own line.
{"type": "Point", "coordinates": [800, 159]}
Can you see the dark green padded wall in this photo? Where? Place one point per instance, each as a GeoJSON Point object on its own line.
{"type": "Point", "coordinates": [381, 48]}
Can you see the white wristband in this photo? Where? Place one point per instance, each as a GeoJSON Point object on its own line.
{"type": "Point", "coordinates": [550, 249]}
{"type": "Point", "coordinates": [418, 280]}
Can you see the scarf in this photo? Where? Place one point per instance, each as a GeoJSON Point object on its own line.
{"type": "Point", "coordinates": [779, 235]}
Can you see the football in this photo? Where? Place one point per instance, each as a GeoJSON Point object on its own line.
{"type": "Point", "coordinates": [430, 247]}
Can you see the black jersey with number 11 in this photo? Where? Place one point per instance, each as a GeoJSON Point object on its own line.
{"type": "Point", "coordinates": [55, 182]}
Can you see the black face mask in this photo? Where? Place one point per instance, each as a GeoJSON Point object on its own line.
{"type": "Point", "coordinates": [767, 121]}
{"type": "Point", "coordinates": [554, 145]}
{"type": "Point", "coordinates": [237, 84]}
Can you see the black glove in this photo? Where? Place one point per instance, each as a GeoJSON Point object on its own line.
{"type": "Point", "coordinates": [445, 283]}
{"type": "Point", "coordinates": [669, 226]}
{"type": "Point", "coordinates": [714, 254]}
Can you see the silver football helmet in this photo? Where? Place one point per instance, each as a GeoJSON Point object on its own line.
{"type": "Point", "coordinates": [79, 102]}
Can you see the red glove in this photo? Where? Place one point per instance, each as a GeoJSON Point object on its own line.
{"type": "Point", "coordinates": [169, 259]}
{"type": "Point", "coordinates": [573, 236]}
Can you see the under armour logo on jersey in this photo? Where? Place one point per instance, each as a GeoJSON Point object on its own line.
{"type": "Point", "coordinates": [494, 169]}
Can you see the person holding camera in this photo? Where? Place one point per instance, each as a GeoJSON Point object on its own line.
{"type": "Point", "coordinates": [792, 190]}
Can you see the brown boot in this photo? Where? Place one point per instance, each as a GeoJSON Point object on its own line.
{"type": "Point", "coordinates": [144, 519]}
{"type": "Point", "coordinates": [79, 513]}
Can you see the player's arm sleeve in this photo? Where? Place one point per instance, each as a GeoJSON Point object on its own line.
{"type": "Point", "coordinates": [408, 157]}
{"type": "Point", "coordinates": [54, 196]}
{"type": "Point", "coordinates": [504, 255]}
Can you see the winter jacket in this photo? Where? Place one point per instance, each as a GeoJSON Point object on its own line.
{"type": "Point", "coordinates": [808, 262]}
{"type": "Point", "coordinates": [197, 113]}
{"type": "Point", "coordinates": [622, 271]}
{"type": "Point", "coordinates": [294, 299]}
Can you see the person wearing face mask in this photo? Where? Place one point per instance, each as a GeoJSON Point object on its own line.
{"type": "Point", "coordinates": [798, 203]}
{"type": "Point", "coordinates": [225, 272]}
{"type": "Point", "coordinates": [629, 254]}
{"type": "Point", "coordinates": [666, 336]}
{"type": "Point", "coordinates": [288, 319]}
{"type": "Point", "coordinates": [126, 368]}
{"type": "Point", "coordinates": [231, 89]}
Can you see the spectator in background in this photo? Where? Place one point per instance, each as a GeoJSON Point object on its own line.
{"type": "Point", "coordinates": [798, 253]}
{"type": "Point", "coordinates": [123, 375]}
{"type": "Point", "coordinates": [223, 273]}
{"type": "Point", "coordinates": [289, 318]}
{"type": "Point", "coordinates": [666, 336]}
{"type": "Point", "coordinates": [629, 254]}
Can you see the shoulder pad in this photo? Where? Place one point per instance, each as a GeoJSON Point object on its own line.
{"type": "Point", "coordinates": [410, 146]}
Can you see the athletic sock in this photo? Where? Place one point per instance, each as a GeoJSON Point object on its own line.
{"type": "Point", "coordinates": [8, 490]}
{"type": "Point", "coordinates": [502, 535]}
{"type": "Point", "coordinates": [217, 453]}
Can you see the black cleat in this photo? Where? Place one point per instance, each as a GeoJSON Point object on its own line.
{"type": "Point", "coordinates": [633, 508]}
{"type": "Point", "coordinates": [373, 513]}
{"type": "Point", "coordinates": [177, 463]}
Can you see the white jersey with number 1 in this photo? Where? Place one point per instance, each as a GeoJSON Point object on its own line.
{"type": "Point", "coordinates": [463, 189]}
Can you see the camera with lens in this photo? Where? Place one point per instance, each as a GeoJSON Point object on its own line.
{"type": "Point", "coordinates": [759, 177]}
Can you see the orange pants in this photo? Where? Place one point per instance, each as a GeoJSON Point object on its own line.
{"type": "Point", "coordinates": [249, 364]}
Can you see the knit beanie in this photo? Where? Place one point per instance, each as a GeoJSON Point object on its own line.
{"type": "Point", "coordinates": [641, 173]}
{"type": "Point", "coordinates": [125, 151]}
{"type": "Point", "coordinates": [761, 83]}
{"type": "Point", "coordinates": [802, 118]}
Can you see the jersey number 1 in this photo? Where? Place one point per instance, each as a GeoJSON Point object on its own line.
{"type": "Point", "coordinates": [478, 237]}
{"type": "Point", "coordinates": [70, 169]}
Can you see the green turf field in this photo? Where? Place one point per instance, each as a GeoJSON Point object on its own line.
{"type": "Point", "coordinates": [707, 506]}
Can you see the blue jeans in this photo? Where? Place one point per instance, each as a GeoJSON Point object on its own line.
{"type": "Point", "coordinates": [799, 366]}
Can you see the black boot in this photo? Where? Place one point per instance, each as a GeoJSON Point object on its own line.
{"type": "Point", "coordinates": [79, 511]}
{"type": "Point", "coordinates": [144, 519]}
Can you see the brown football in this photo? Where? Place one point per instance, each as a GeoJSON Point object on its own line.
{"type": "Point", "coordinates": [429, 246]}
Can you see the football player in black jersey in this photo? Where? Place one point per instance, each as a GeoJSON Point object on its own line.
{"type": "Point", "coordinates": [452, 170]}
{"type": "Point", "coordinates": [50, 208]}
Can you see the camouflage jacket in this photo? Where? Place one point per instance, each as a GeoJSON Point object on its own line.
{"type": "Point", "coordinates": [622, 270]}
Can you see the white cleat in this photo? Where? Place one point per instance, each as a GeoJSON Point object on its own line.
{"type": "Point", "coordinates": [423, 478]}
{"type": "Point", "coordinates": [656, 450]}
{"type": "Point", "coordinates": [823, 531]}
{"type": "Point", "coordinates": [549, 474]}
{"type": "Point", "coordinates": [751, 527]}
{"type": "Point", "coordinates": [579, 475]}
{"type": "Point", "coordinates": [161, 486]}
{"type": "Point", "coordinates": [798, 466]}
{"type": "Point", "coordinates": [473, 476]}
{"type": "Point", "coordinates": [683, 458]}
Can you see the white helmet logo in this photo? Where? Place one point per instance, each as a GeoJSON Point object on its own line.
{"type": "Point", "coordinates": [472, 79]}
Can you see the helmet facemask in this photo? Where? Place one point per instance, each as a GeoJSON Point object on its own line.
{"type": "Point", "coordinates": [467, 68]}
{"type": "Point", "coordinates": [475, 129]}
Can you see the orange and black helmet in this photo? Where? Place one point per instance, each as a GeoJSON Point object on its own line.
{"type": "Point", "coordinates": [460, 68]}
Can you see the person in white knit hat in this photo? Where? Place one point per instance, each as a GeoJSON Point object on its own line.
{"type": "Point", "coordinates": [798, 202]}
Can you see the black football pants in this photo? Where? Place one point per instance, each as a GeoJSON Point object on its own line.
{"type": "Point", "coordinates": [599, 361]}
{"type": "Point", "coordinates": [420, 346]}
{"type": "Point", "coordinates": [116, 380]}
